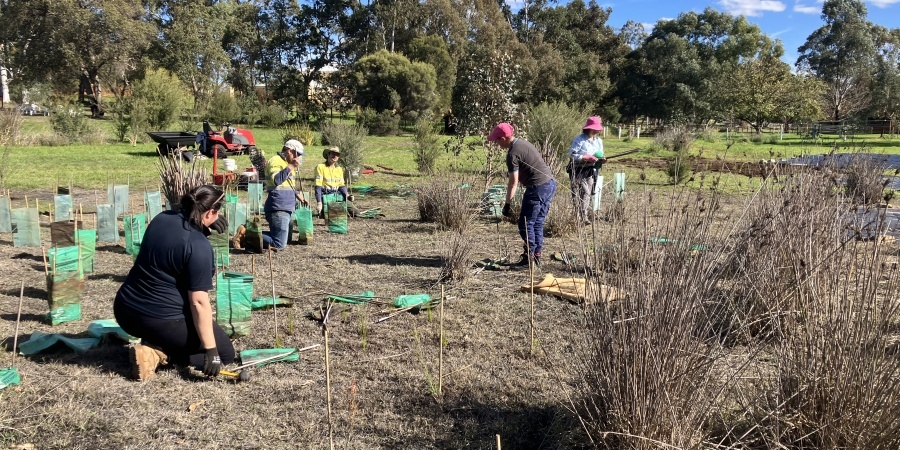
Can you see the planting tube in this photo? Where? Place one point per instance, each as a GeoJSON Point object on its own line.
{"type": "Point", "coordinates": [405, 301]}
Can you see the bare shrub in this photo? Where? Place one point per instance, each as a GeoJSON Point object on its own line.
{"type": "Point", "coordinates": [457, 256]}
{"type": "Point", "coordinates": [865, 180]}
{"type": "Point", "coordinates": [450, 202]}
{"type": "Point", "coordinates": [678, 362]}
{"type": "Point", "coordinates": [675, 139]}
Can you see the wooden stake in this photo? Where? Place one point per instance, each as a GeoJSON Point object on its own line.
{"type": "Point", "coordinates": [253, 266]}
{"type": "Point", "coordinates": [274, 307]}
{"type": "Point", "coordinates": [26, 202]}
{"type": "Point", "coordinates": [15, 347]}
{"type": "Point", "coordinates": [498, 443]}
{"type": "Point", "coordinates": [328, 382]}
{"type": "Point", "coordinates": [441, 346]}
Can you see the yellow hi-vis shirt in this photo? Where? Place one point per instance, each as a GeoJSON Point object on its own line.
{"type": "Point", "coordinates": [329, 177]}
{"type": "Point", "coordinates": [273, 168]}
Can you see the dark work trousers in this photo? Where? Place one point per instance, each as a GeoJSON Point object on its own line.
{"type": "Point", "coordinates": [582, 188]}
{"type": "Point", "coordinates": [177, 338]}
{"type": "Point", "coordinates": [535, 206]}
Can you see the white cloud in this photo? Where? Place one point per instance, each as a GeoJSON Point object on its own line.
{"type": "Point", "coordinates": [806, 9]}
{"type": "Point", "coordinates": [883, 3]}
{"type": "Point", "coordinates": [751, 8]}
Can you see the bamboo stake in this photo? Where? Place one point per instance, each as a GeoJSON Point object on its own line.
{"type": "Point", "coordinates": [274, 307]}
{"type": "Point", "coordinates": [328, 378]}
{"type": "Point", "coordinates": [18, 319]}
{"type": "Point", "coordinates": [44, 255]}
{"type": "Point", "coordinates": [253, 265]}
{"type": "Point", "coordinates": [531, 282]}
{"type": "Point", "coordinates": [441, 346]}
{"type": "Point", "coordinates": [26, 202]}
{"type": "Point", "coordinates": [498, 443]}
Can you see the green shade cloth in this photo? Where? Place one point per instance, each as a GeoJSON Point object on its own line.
{"type": "Point", "coordinates": [250, 356]}
{"type": "Point", "coordinates": [220, 248]}
{"type": "Point", "coordinates": [236, 214]}
{"type": "Point", "coordinates": [87, 240]}
{"type": "Point", "coordinates": [255, 197]}
{"type": "Point", "coordinates": [153, 201]}
{"type": "Point", "coordinates": [134, 233]}
{"type": "Point", "coordinates": [62, 207]}
{"type": "Point", "coordinates": [39, 342]}
{"type": "Point", "coordinates": [356, 299]}
{"type": "Point", "coordinates": [107, 224]}
{"type": "Point", "coordinates": [234, 294]}
{"type": "Point", "coordinates": [5, 221]}
{"type": "Point", "coordinates": [103, 327]}
{"type": "Point", "coordinates": [336, 217]}
{"type": "Point", "coordinates": [9, 376]}
{"type": "Point", "coordinates": [65, 284]}
{"type": "Point", "coordinates": [268, 302]}
{"type": "Point", "coordinates": [26, 227]}
{"type": "Point", "coordinates": [304, 219]}
{"type": "Point", "coordinates": [405, 301]}
{"type": "Point", "coordinates": [117, 195]}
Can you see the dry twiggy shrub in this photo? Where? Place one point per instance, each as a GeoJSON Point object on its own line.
{"type": "Point", "coordinates": [777, 333]}
{"type": "Point", "coordinates": [445, 201]}
{"type": "Point", "coordinates": [865, 179]}
{"type": "Point", "coordinates": [457, 259]}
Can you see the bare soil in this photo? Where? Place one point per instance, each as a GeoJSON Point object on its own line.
{"type": "Point", "coordinates": [384, 376]}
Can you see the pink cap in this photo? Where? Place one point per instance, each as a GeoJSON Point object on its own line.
{"type": "Point", "coordinates": [501, 131]}
{"type": "Point", "coordinates": [593, 123]}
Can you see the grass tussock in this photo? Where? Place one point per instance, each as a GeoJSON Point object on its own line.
{"type": "Point", "coordinates": [772, 329]}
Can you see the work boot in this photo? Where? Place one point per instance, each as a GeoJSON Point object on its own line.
{"type": "Point", "coordinates": [145, 360]}
{"type": "Point", "coordinates": [238, 240]}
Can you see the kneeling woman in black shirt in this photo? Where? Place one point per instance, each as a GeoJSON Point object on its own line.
{"type": "Point", "coordinates": [165, 297]}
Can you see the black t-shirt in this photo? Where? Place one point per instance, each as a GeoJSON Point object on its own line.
{"type": "Point", "coordinates": [526, 159]}
{"type": "Point", "coordinates": [175, 258]}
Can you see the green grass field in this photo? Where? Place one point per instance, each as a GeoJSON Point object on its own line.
{"type": "Point", "coordinates": [94, 166]}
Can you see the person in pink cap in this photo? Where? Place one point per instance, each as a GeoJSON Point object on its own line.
{"type": "Point", "coordinates": [526, 167]}
{"type": "Point", "coordinates": [586, 158]}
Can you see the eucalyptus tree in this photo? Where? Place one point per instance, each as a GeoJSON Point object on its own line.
{"type": "Point", "coordinates": [841, 53]}
{"type": "Point", "coordinates": [673, 75]}
{"type": "Point", "coordinates": [302, 40]}
{"type": "Point", "coordinates": [886, 85]}
{"type": "Point", "coordinates": [84, 47]}
{"type": "Point", "coordinates": [190, 44]}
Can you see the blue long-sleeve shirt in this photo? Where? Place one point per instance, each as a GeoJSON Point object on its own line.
{"type": "Point", "coordinates": [582, 146]}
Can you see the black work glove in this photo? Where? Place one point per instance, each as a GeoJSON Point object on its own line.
{"type": "Point", "coordinates": [220, 225]}
{"type": "Point", "coordinates": [507, 210]}
{"type": "Point", "coordinates": [350, 198]}
{"type": "Point", "coordinates": [212, 364]}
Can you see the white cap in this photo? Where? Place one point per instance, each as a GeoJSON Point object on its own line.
{"type": "Point", "coordinates": [294, 145]}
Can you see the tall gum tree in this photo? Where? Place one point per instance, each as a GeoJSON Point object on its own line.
{"type": "Point", "coordinates": [841, 53]}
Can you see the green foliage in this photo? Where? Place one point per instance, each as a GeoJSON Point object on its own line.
{"type": "Point", "coordinates": [672, 74]}
{"type": "Point", "coordinates": [427, 148]}
{"type": "Point", "coordinates": [554, 125]}
{"type": "Point", "coordinates": [273, 115]}
{"type": "Point", "coordinates": [349, 138]}
{"type": "Point", "coordinates": [70, 122]}
{"type": "Point", "coordinates": [383, 123]}
{"type": "Point", "coordinates": [389, 81]}
{"type": "Point", "coordinates": [434, 51]}
{"type": "Point", "coordinates": [485, 92]}
{"type": "Point", "coordinates": [155, 103]}
{"type": "Point", "coordinates": [840, 53]}
{"type": "Point", "coordinates": [300, 132]}
{"type": "Point", "coordinates": [223, 107]}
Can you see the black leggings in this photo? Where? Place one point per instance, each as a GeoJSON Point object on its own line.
{"type": "Point", "coordinates": [177, 338]}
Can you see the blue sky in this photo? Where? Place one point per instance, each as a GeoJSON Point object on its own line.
{"type": "Point", "coordinates": [789, 20]}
